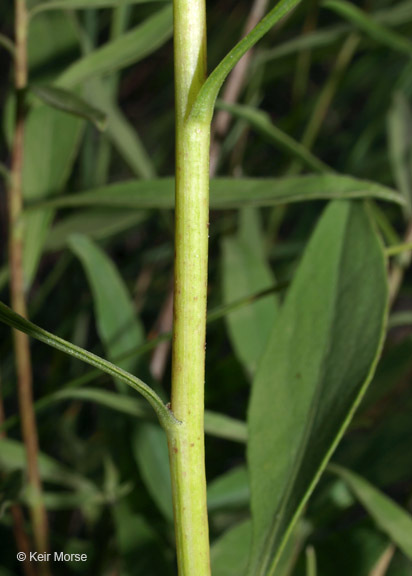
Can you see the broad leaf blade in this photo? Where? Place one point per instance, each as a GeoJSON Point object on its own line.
{"type": "Point", "coordinates": [230, 193]}
{"type": "Point", "coordinates": [389, 516]}
{"type": "Point", "coordinates": [229, 554]}
{"type": "Point", "coordinates": [316, 367]}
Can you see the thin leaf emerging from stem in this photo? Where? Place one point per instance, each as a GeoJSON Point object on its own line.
{"type": "Point", "coordinates": [9, 317]}
{"type": "Point", "coordinates": [202, 109]}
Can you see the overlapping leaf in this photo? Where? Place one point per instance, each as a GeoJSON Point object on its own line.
{"type": "Point", "coordinates": [319, 360]}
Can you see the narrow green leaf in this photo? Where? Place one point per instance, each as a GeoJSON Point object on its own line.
{"type": "Point", "coordinates": [229, 491]}
{"type": "Point", "coordinates": [395, 15]}
{"type": "Point", "coordinates": [230, 553]}
{"type": "Point", "coordinates": [223, 426]}
{"type": "Point", "coordinates": [216, 424]}
{"type": "Point", "coordinates": [389, 516]}
{"type": "Point", "coordinates": [4, 172]}
{"type": "Point", "coordinates": [261, 122]}
{"type": "Point", "coordinates": [369, 26]}
{"type": "Point", "coordinates": [229, 193]}
{"type": "Point", "coordinates": [400, 147]}
{"type": "Point", "coordinates": [9, 317]}
{"type": "Point", "coordinates": [120, 132]}
{"type": "Point", "coordinates": [96, 224]}
{"type": "Point", "coordinates": [149, 444]}
{"type": "Point", "coordinates": [51, 141]}
{"type": "Point", "coordinates": [47, 5]}
{"type": "Point", "coordinates": [311, 569]}
{"type": "Point", "coordinates": [245, 270]}
{"type": "Point", "coordinates": [202, 109]}
{"type": "Point", "coordinates": [69, 102]}
{"type": "Point", "coordinates": [13, 457]}
{"type": "Point", "coordinates": [318, 363]}
{"type": "Point", "coordinates": [120, 329]}
{"type": "Point", "coordinates": [117, 324]}
{"type": "Point", "coordinates": [7, 44]}
{"type": "Point", "coordinates": [126, 50]}
{"type": "Point", "coordinates": [113, 400]}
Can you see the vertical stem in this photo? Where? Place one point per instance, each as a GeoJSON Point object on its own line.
{"type": "Point", "coordinates": [21, 341]}
{"type": "Point", "coordinates": [186, 442]}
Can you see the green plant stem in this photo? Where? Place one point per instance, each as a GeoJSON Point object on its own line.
{"type": "Point", "coordinates": [17, 295]}
{"type": "Point", "coordinates": [186, 442]}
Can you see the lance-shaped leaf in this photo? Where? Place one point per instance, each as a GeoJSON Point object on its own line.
{"type": "Point", "coordinates": [69, 102]}
{"type": "Point", "coordinates": [400, 147]}
{"type": "Point", "coordinates": [388, 515]}
{"type": "Point", "coordinates": [202, 109]}
{"type": "Point", "coordinates": [47, 5]}
{"type": "Point", "coordinates": [9, 317]}
{"type": "Point", "coordinates": [369, 26]}
{"type": "Point", "coordinates": [318, 363]}
{"type": "Point", "coordinates": [120, 329]}
{"type": "Point", "coordinates": [124, 51]}
{"type": "Point", "coordinates": [229, 193]}
{"type": "Point", "coordinates": [261, 122]}
{"type": "Point", "coordinates": [245, 270]}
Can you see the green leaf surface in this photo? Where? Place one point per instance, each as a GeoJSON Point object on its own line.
{"type": "Point", "coordinates": [9, 317]}
{"type": "Point", "coordinates": [202, 108]}
{"type": "Point", "coordinates": [124, 51]}
{"type": "Point", "coordinates": [388, 515]}
{"type": "Point", "coordinates": [375, 30]}
{"type": "Point", "coordinates": [395, 15]}
{"type": "Point", "coordinates": [96, 224]}
{"type": "Point", "coordinates": [229, 491]}
{"type": "Point", "coordinates": [119, 329]}
{"type": "Point", "coordinates": [121, 133]}
{"type": "Point", "coordinates": [400, 146]}
{"type": "Point", "coordinates": [51, 141]}
{"type": "Point", "coordinates": [261, 122]}
{"type": "Point", "coordinates": [117, 323]}
{"type": "Point", "coordinates": [245, 271]}
{"type": "Point", "coordinates": [149, 445]}
{"type": "Point", "coordinates": [229, 554]}
{"type": "Point", "coordinates": [47, 5]}
{"type": "Point", "coordinates": [70, 103]}
{"type": "Point", "coordinates": [311, 568]}
{"type": "Point", "coordinates": [13, 457]}
{"type": "Point", "coordinates": [352, 550]}
{"type": "Point", "coordinates": [318, 363]}
{"type": "Point", "coordinates": [142, 552]}
{"type": "Point", "coordinates": [229, 193]}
